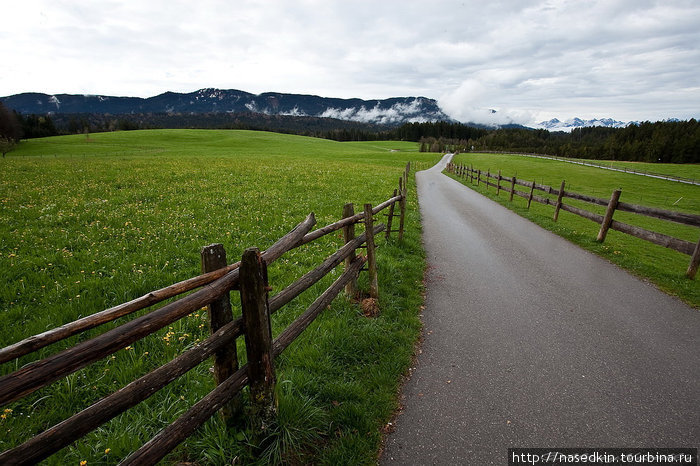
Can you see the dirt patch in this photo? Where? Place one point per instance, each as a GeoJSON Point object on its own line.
{"type": "Point", "coordinates": [370, 307]}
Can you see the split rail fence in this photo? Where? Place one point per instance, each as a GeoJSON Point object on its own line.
{"type": "Point", "coordinates": [606, 221]}
{"type": "Point", "coordinates": [249, 276]}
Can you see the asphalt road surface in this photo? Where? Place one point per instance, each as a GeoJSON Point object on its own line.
{"type": "Point", "coordinates": [530, 341]}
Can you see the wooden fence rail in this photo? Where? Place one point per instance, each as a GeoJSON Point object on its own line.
{"type": "Point", "coordinates": [606, 221]}
{"type": "Point", "coordinates": [249, 276]}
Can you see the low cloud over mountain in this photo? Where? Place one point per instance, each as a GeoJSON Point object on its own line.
{"type": "Point", "coordinates": [392, 111]}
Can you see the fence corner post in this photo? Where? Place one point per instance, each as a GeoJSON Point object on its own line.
{"type": "Point", "coordinates": [694, 262]}
{"type": "Point", "coordinates": [371, 254]}
{"type": "Point", "coordinates": [220, 314]}
{"type": "Point", "coordinates": [607, 220]}
{"type": "Point", "coordinates": [559, 200]}
{"type": "Point", "coordinates": [258, 339]}
{"type": "Point", "coordinates": [349, 235]}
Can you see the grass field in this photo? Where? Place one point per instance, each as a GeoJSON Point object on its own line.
{"type": "Point", "coordinates": [664, 267]}
{"type": "Point", "coordinates": [90, 222]}
{"type": "Point", "coordinates": [675, 169]}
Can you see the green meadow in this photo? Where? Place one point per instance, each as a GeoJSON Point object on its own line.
{"type": "Point", "coordinates": [88, 222]}
{"type": "Point", "coordinates": [664, 267]}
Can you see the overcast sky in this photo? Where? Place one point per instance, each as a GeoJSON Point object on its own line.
{"type": "Point", "coordinates": [530, 60]}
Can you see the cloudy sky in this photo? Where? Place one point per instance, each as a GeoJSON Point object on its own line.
{"type": "Point", "coordinates": [530, 60]}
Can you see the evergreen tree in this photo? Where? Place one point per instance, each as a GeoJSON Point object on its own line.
{"type": "Point", "coordinates": [10, 130]}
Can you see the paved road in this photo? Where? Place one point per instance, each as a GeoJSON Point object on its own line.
{"type": "Point", "coordinates": [530, 341]}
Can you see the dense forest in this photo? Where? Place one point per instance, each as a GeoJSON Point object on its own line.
{"type": "Point", "coordinates": [668, 142]}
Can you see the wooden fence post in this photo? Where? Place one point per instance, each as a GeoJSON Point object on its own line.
{"type": "Point", "coordinates": [258, 339]}
{"type": "Point", "coordinates": [471, 174]}
{"type": "Point", "coordinates": [498, 183]}
{"type": "Point", "coordinates": [390, 217]}
{"type": "Point", "coordinates": [607, 220]}
{"type": "Point", "coordinates": [559, 200]}
{"type": "Point", "coordinates": [220, 314]}
{"type": "Point", "coordinates": [694, 262]}
{"type": "Point", "coordinates": [402, 207]}
{"type": "Point", "coordinates": [405, 179]}
{"type": "Point", "coordinates": [478, 177]}
{"type": "Point", "coordinates": [371, 257]}
{"type": "Point", "coordinates": [532, 190]}
{"type": "Point", "coordinates": [488, 178]}
{"type": "Point", "coordinates": [349, 235]}
{"type": "Point", "coordinates": [512, 188]}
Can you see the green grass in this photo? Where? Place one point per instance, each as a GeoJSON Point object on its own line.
{"type": "Point", "coordinates": [664, 267]}
{"type": "Point", "coordinates": [675, 169]}
{"type": "Point", "coordinates": [88, 223]}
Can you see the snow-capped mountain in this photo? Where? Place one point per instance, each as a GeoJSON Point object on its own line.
{"type": "Point", "coordinates": [567, 125]}
{"type": "Point", "coordinates": [392, 111]}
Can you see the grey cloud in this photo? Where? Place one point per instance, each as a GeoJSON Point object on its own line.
{"type": "Point", "coordinates": [626, 59]}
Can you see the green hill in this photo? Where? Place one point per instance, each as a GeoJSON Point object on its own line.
{"type": "Point", "coordinates": [90, 222]}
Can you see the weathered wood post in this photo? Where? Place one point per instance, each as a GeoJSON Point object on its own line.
{"type": "Point", "coordinates": [488, 178]}
{"type": "Point", "coordinates": [471, 173]}
{"type": "Point", "coordinates": [258, 339]}
{"type": "Point", "coordinates": [478, 177]}
{"type": "Point", "coordinates": [402, 207]}
{"type": "Point", "coordinates": [390, 217]}
{"type": "Point", "coordinates": [371, 257]}
{"type": "Point", "coordinates": [498, 183]}
{"type": "Point", "coordinates": [349, 235]}
{"type": "Point", "coordinates": [694, 262]}
{"type": "Point", "coordinates": [607, 220]}
{"type": "Point", "coordinates": [220, 314]}
{"type": "Point", "coordinates": [532, 190]}
{"type": "Point", "coordinates": [559, 200]}
{"type": "Point", "coordinates": [512, 188]}
{"type": "Point", "coordinates": [405, 182]}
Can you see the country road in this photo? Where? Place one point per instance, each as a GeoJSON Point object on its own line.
{"type": "Point", "coordinates": [530, 341]}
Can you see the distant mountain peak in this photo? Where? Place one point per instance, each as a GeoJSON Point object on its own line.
{"type": "Point", "coordinates": [567, 125]}
{"type": "Point", "coordinates": [393, 111]}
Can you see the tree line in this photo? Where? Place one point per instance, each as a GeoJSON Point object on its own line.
{"type": "Point", "coordinates": [668, 142]}
{"type": "Point", "coordinates": [664, 142]}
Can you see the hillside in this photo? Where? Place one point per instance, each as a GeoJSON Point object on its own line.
{"type": "Point", "coordinates": [393, 111]}
{"type": "Point", "coordinates": [90, 222]}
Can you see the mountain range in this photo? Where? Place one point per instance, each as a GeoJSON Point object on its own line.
{"type": "Point", "coordinates": [567, 125]}
{"type": "Point", "coordinates": [393, 111]}
{"type": "Point", "coordinates": [384, 112]}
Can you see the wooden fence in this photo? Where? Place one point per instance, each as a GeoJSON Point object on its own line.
{"type": "Point", "coordinates": [249, 276]}
{"type": "Point", "coordinates": [606, 221]}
